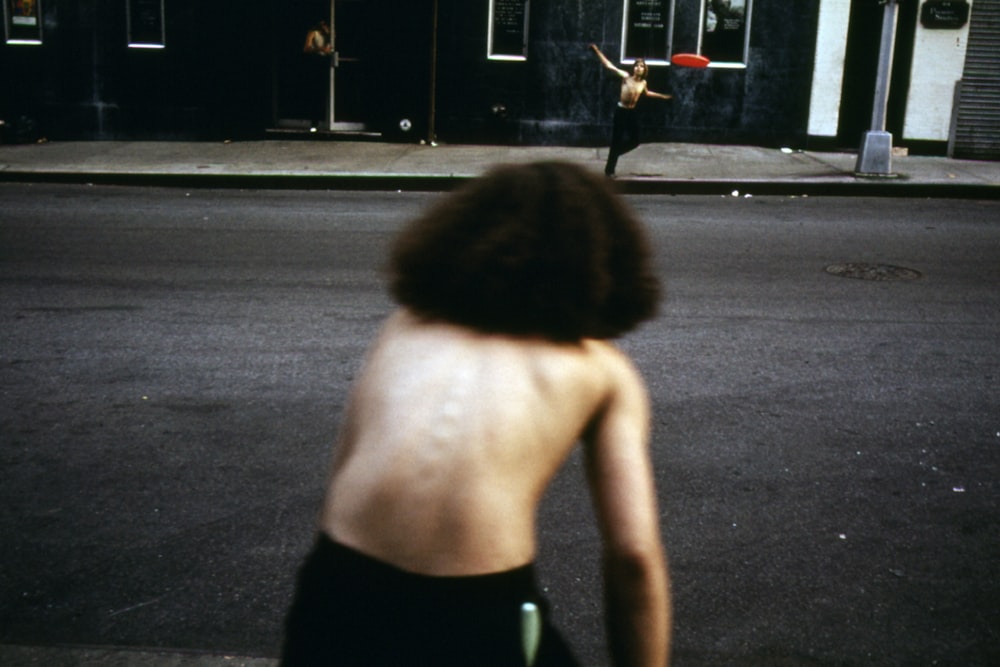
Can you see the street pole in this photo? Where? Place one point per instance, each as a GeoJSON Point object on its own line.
{"type": "Point", "coordinates": [875, 155]}
{"type": "Point", "coordinates": [331, 99]}
{"type": "Point", "coordinates": [432, 109]}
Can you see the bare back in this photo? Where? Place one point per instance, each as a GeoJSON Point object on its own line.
{"type": "Point", "coordinates": [451, 438]}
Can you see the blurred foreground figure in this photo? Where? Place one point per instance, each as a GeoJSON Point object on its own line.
{"type": "Point", "coordinates": [494, 367]}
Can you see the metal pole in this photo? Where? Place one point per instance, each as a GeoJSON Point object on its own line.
{"type": "Point", "coordinates": [431, 134]}
{"type": "Point", "coordinates": [889, 20]}
{"type": "Point", "coordinates": [331, 99]}
{"type": "Point", "coordinates": [875, 156]}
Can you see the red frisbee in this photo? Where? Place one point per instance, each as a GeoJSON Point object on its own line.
{"type": "Point", "coordinates": [690, 60]}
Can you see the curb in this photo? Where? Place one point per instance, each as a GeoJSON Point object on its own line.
{"type": "Point", "coordinates": [855, 187]}
{"type": "Point", "coordinates": [118, 656]}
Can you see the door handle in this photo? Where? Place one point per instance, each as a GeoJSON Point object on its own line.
{"type": "Point", "coordinates": [337, 60]}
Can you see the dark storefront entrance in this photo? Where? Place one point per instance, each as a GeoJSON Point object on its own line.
{"type": "Point", "coordinates": [319, 66]}
{"type": "Point", "coordinates": [374, 77]}
{"type": "Point", "coordinates": [413, 69]}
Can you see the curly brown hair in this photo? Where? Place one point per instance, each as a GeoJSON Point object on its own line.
{"type": "Point", "coordinates": [542, 249]}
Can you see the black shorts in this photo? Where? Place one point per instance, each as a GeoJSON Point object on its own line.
{"type": "Point", "coordinates": [353, 610]}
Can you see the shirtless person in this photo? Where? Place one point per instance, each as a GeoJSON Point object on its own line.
{"type": "Point", "coordinates": [476, 391]}
{"type": "Point", "coordinates": [318, 40]}
{"type": "Point", "coordinates": [625, 128]}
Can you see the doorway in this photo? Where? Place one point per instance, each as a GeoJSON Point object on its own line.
{"type": "Point", "coordinates": [347, 73]}
{"type": "Point", "coordinates": [320, 89]}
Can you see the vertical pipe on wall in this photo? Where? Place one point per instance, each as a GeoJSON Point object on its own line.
{"type": "Point", "coordinates": [331, 99]}
{"type": "Point", "coordinates": [431, 135]}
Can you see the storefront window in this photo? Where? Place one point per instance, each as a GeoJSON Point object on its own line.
{"type": "Point", "coordinates": [22, 21]}
{"type": "Point", "coordinates": [508, 30]}
{"type": "Point", "coordinates": [646, 30]}
{"type": "Point", "coordinates": [145, 24]}
{"type": "Point", "coordinates": [726, 31]}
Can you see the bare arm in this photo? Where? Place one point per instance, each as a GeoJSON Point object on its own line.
{"type": "Point", "coordinates": [659, 96]}
{"type": "Point", "coordinates": [309, 47]}
{"type": "Point", "coordinates": [635, 570]}
{"type": "Point", "coordinates": [607, 63]}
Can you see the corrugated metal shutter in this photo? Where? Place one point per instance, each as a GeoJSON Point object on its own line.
{"type": "Point", "coordinates": [976, 127]}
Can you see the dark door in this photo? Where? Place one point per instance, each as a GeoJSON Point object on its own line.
{"type": "Point", "coordinates": [347, 82]}
{"type": "Point", "coordinates": [376, 77]}
{"type": "Point", "coordinates": [301, 86]}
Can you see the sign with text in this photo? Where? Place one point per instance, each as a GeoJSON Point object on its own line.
{"type": "Point", "coordinates": [145, 24]}
{"type": "Point", "coordinates": [724, 39]}
{"type": "Point", "coordinates": [23, 21]}
{"type": "Point", "coordinates": [646, 30]}
{"type": "Point", "coordinates": [508, 30]}
{"type": "Point", "coordinates": [944, 14]}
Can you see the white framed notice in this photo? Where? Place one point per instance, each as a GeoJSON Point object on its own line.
{"type": "Point", "coordinates": [507, 37]}
{"type": "Point", "coordinates": [647, 27]}
{"type": "Point", "coordinates": [22, 21]}
{"type": "Point", "coordinates": [725, 32]}
{"type": "Point", "coordinates": [145, 24]}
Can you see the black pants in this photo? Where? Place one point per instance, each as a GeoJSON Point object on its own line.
{"type": "Point", "coordinates": [624, 136]}
{"type": "Point", "coordinates": [352, 610]}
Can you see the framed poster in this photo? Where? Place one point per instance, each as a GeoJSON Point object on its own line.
{"type": "Point", "coordinates": [145, 24]}
{"type": "Point", "coordinates": [726, 32]}
{"type": "Point", "coordinates": [646, 30]}
{"type": "Point", "coordinates": [23, 21]}
{"type": "Point", "coordinates": [508, 30]}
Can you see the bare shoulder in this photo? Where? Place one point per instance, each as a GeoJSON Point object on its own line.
{"type": "Point", "coordinates": [620, 371]}
{"type": "Point", "coordinates": [553, 387]}
{"type": "Point", "coordinates": [621, 422]}
{"type": "Point", "coordinates": [568, 381]}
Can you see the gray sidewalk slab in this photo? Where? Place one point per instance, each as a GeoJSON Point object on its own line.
{"type": "Point", "coordinates": [664, 168]}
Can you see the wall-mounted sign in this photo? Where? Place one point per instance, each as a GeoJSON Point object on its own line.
{"type": "Point", "coordinates": [508, 30]}
{"type": "Point", "coordinates": [726, 24]}
{"type": "Point", "coordinates": [944, 14]}
{"type": "Point", "coordinates": [646, 32]}
{"type": "Point", "coordinates": [145, 24]}
{"type": "Point", "coordinates": [23, 21]}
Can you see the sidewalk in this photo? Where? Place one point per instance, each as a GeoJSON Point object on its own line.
{"type": "Point", "coordinates": [370, 165]}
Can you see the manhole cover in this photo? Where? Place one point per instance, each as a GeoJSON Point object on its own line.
{"type": "Point", "coordinates": [863, 271]}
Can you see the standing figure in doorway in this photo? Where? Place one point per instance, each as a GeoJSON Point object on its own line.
{"type": "Point", "coordinates": [318, 40]}
{"type": "Point", "coordinates": [625, 129]}
{"type": "Point", "coordinates": [316, 59]}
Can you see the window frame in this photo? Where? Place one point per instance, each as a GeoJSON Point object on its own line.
{"type": "Point", "coordinates": [132, 43]}
{"type": "Point", "coordinates": [512, 57]}
{"type": "Point", "coordinates": [667, 46]}
{"type": "Point", "coordinates": [12, 26]}
{"type": "Point", "coordinates": [745, 54]}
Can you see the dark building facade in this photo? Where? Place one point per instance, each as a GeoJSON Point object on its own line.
{"type": "Point", "coordinates": [561, 94]}
{"type": "Point", "coordinates": [84, 81]}
{"type": "Point", "coordinates": [459, 71]}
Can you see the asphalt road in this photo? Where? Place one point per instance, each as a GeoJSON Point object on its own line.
{"type": "Point", "coordinates": [173, 365]}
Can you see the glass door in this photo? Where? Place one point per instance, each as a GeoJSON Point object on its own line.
{"type": "Point", "coordinates": [347, 71]}
{"type": "Point", "coordinates": [319, 65]}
